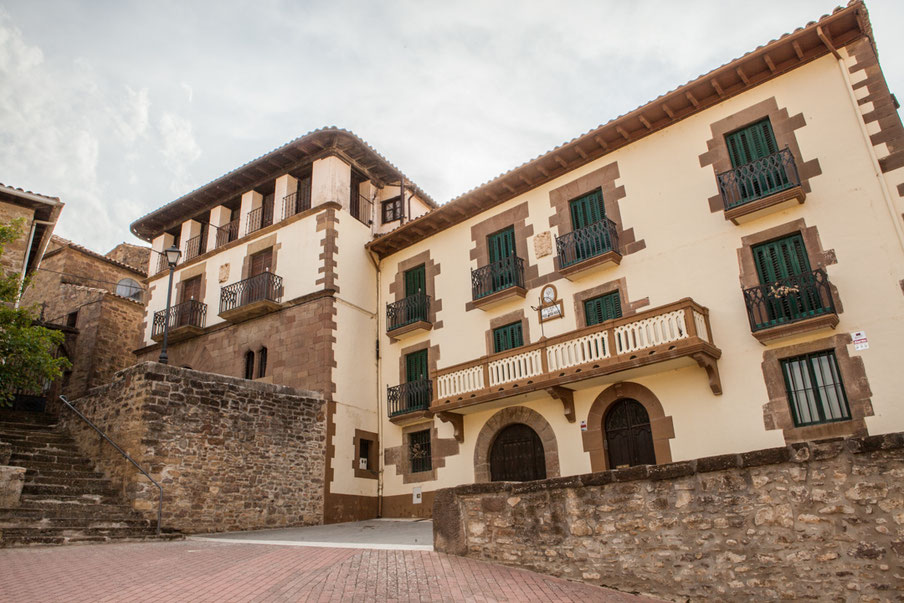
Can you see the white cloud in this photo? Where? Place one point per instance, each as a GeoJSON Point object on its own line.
{"type": "Point", "coordinates": [179, 149]}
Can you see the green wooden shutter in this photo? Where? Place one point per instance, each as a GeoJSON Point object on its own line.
{"type": "Point", "coordinates": [780, 259]}
{"type": "Point", "coordinates": [751, 143]}
{"type": "Point", "coordinates": [587, 210]}
{"type": "Point", "coordinates": [415, 280]}
{"type": "Point", "coordinates": [501, 244]}
{"type": "Point", "coordinates": [602, 308]}
{"type": "Point", "coordinates": [507, 337]}
{"type": "Point", "coordinates": [416, 366]}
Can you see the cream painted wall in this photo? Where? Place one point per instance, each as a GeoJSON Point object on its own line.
{"type": "Point", "coordinates": [691, 252]}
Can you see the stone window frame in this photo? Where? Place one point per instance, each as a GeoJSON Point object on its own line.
{"type": "Point", "coordinates": [261, 361]}
{"type": "Point", "coordinates": [661, 425]}
{"type": "Point", "coordinates": [198, 270]}
{"type": "Point", "coordinates": [510, 416]}
{"type": "Point", "coordinates": [372, 472]}
{"type": "Point", "coordinates": [818, 257]}
{"type": "Point", "coordinates": [628, 308]}
{"type": "Point", "coordinates": [440, 448]}
{"type": "Point", "coordinates": [516, 218]}
{"type": "Point", "coordinates": [431, 271]}
{"type": "Point", "coordinates": [604, 179]}
{"type": "Point", "coordinates": [777, 412]}
{"type": "Point", "coordinates": [504, 320]}
{"type": "Point", "coordinates": [783, 126]}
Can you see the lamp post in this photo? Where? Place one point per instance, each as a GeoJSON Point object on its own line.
{"type": "Point", "coordinates": [172, 258]}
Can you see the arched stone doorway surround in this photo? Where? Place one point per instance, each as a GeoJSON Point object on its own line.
{"type": "Point", "coordinates": [504, 418]}
{"type": "Point", "coordinates": [660, 425]}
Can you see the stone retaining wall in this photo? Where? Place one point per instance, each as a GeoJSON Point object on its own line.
{"type": "Point", "coordinates": [231, 454]}
{"type": "Point", "coordinates": [818, 520]}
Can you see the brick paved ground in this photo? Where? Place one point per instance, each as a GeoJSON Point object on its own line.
{"type": "Point", "coordinates": [203, 571]}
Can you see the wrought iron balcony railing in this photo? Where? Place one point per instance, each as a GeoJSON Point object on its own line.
{"type": "Point", "coordinates": [406, 311]}
{"type": "Point", "coordinates": [160, 264]}
{"type": "Point", "coordinates": [191, 313]}
{"type": "Point", "coordinates": [295, 203]}
{"type": "Point", "coordinates": [789, 300]}
{"type": "Point", "coordinates": [497, 276]}
{"type": "Point", "coordinates": [193, 247]}
{"type": "Point", "coordinates": [259, 218]}
{"type": "Point", "coordinates": [265, 286]}
{"type": "Point", "coordinates": [227, 232]}
{"type": "Point", "coordinates": [758, 179]}
{"type": "Point", "coordinates": [361, 208]}
{"type": "Point", "coordinates": [588, 242]}
{"type": "Point", "coordinates": [409, 397]}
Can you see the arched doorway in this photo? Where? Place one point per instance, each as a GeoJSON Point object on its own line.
{"type": "Point", "coordinates": [517, 455]}
{"type": "Point", "coordinates": [629, 439]}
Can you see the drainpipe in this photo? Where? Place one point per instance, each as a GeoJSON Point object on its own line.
{"type": "Point", "coordinates": [883, 185]}
{"type": "Point", "coordinates": [379, 363]}
{"type": "Point", "coordinates": [31, 237]}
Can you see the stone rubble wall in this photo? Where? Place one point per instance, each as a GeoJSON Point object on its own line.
{"type": "Point", "coordinates": [231, 454]}
{"type": "Point", "coordinates": [815, 520]}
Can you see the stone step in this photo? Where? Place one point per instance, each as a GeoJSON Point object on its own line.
{"type": "Point", "coordinates": [80, 473]}
{"type": "Point", "coordinates": [69, 512]}
{"type": "Point", "coordinates": [41, 457]}
{"type": "Point", "coordinates": [41, 540]}
{"type": "Point", "coordinates": [60, 448]}
{"type": "Point", "coordinates": [51, 500]}
{"type": "Point", "coordinates": [18, 416]}
{"type": "Point", "coordinates": [69, 481]}
{"type": "Point", "coordinates": [43, 523]}
{"type": "Point", "coordinates": [15, 437]}
{"type": "Point", "coordinates": [102, 488]}
{"type": "Point", "coordinates": [40, 466]}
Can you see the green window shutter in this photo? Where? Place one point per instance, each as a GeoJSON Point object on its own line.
{"type": "Point", "coordinates": [501, 244]}
{"type": "Point", "coordinates": [602, 308]}
{"type": "Point", "coordinates": [416, 366]}
{"type": "Point", "coordinates": [588, 209]}
{"type": "Point", "coordinates": [415, 280]}
{"type": "Point", "coordinates": [780, 259]}
{"type": "Point", "coordinates": [815, 389]}
{"type": "Point", "coordinates": [751, 143]}
{"type": "Point", "coordinates": [507, 337]}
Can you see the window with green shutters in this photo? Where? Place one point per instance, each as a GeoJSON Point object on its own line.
{"type": "Point", "coordinates": [587, 210]}
{"type": "Point", "coordinates": [507, 337]}
{"type": "Point", "coordinates": [501, 244]}
{"type": "Point", "coordinates": [780, 259]}
{"type": "Point", "coordinates": [416, 366]}
{"type": "Point", "coordinates": [751, 143]}
{"type": "Point", "coordinates": [415, 280]}
{"type": "Point", "coordinates": [602, 308]}
{"type": "Point", "coordinates": [502, 265]}
{"type": "Point", "coordinates": [815, 390]}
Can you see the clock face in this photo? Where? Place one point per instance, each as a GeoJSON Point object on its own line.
{"type": "Point", "coordinates": [549, 294]}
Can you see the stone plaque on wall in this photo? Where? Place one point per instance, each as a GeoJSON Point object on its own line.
{"type": "Point", "coordinates": [543, 244]}
{"type": "Point", "coordinates": [224, 273]}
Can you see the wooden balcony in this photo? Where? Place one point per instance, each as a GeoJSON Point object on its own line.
{"type": "Point", "coordinates": [660, 339]}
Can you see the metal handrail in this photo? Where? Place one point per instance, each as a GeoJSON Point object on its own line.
{"type": "Point", "coordinates": [125, 454]}
{"type": "Point", "coordinates": [758, 179]}
{"type": "Point", "coordinates": [193, 247]}
{"type": "Point", "coordinates": [227, 232]}
{"type": "Point", "coordinates": [497, 276]}
{"type": "Point", "coordinates": [191, 313]}
{"type": "Point", "coordinates": [789, 300]}
{"type": "Point", "coordinates": [409, 397]}
{"type": "Point", "coordinates": [408, 310]}
{"type": "Point", "coordinates": [588, 242]}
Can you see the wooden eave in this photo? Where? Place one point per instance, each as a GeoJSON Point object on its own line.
{"type": "Point", "coordinates": [767, 62]}
{"type": "Point", "coordinates": [294, 155]}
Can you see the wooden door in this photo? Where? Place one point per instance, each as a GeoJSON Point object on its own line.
{"type": "Point", "coordinates": [629, 438]}
{"type": "Point", "coordinates": [186, 313]}
{"type": "Point", "coordinates": [415, 285]}
{"type": "Point", "coordinates": [517, 455]}
{"type": "Point", "coordinates": [259, 287]}
{"type": "Point", "coordinates": [417, 394]}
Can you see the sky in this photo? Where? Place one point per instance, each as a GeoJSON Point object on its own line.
{"type": "Point", "coordinates": [120, 106]}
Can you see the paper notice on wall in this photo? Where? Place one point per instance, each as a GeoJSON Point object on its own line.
{"type": "Point", "coordinates": [858, 338]}
{"type": "Point", "coordinates": [416, 496]}
{"type": "Point", "coordinates": [583, 425]}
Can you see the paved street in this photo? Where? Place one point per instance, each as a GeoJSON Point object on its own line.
{"type": "Point", "coordinates": [196, 570]}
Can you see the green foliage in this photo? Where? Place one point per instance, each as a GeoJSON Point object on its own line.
{"type": "Point", "coordinates": [26, 350]}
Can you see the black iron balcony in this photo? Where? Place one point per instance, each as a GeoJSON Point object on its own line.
{"type": "Point", "coordinates": [414, 308]}
{"type": "Point", "coordinates": [193, 247]}
{"type": "Point", "coordinates": [758, 179]}
{"type": "Point", "coordinates": [295, 203]}
{"type": "Point", "coordinates": [227, 232]}
{"type": "Point", "coordinates": [586, 243]}
{"type": "Point", "coordinates": [497, 276]}
{"type": "Point", "coordinates": [259, 218]}
{"type": "Point", "coordinates": [409, 397]}
{"type": "Point", "coordinates": [192, 315]}
{"type": "Point", "coordinates": [789, 300]}
{"type": "Point", "coordinates": [265, 287]}
{"type": "Point", "coordinates": [161, 264]}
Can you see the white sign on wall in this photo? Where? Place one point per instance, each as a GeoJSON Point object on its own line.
{"type": "Point", "coordinates": [859, 340]}
{"type": "Point", "coordinates": [416, 495]}
{"type": "Point", "coordinates": [583, 425]}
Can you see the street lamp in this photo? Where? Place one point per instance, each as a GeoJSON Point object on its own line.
{"type": "Point", "coordinates": [172, 258]}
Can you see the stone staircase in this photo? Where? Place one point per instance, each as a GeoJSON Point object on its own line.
{"type": "Point", "coordinates": [64, 500]}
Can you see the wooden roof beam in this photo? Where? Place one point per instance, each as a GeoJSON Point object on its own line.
{"type": "Point", "coordinates": [623, 133]}
{"type": "Point", "coordinates": [691, 98]}
{"type": "Point", "coordinates": [667, 110]}
{"type": "Point", "coordinates": [769, 63]}
{"type": "Point", "coordinates": [645, 122]}
{"type": "Point", "coordinates": [560, 161]}
{"type": "Point", "coordinates": [542, 170]}
{"type": "Point", "coordinates": [580, 152]}
{"type": "Point", "coordinates": [717, 87]}
{"type": "Point", "coordinates": [600, 141]}
{"type": "Point", "coordinates": [797, 50]}
{"type": "Point", "coordinates": [741, 75]}
{"type": "Point", "coordinates": [827, 41]}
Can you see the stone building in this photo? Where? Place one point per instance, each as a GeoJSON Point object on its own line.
{"type": "Point", "coordinates": [720, 270]}
{"type": "Point", "coordinates": [39, 214]}
{"type": "Point", "coordinates": [99, 300]}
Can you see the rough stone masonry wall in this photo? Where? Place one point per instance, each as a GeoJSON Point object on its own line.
{"type": "Point", "coordinates": [818, 520]}
{"type": "Point", "coordinates": [231, 454]}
